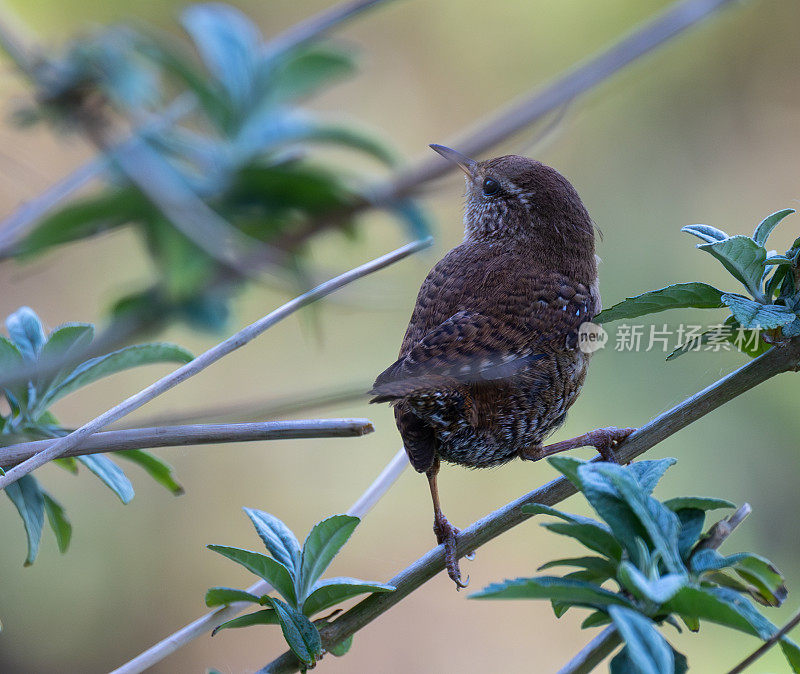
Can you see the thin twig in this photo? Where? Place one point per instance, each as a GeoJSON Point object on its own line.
{"type": "Point", "coordinates": [318, 25]}
{"type": "Point", "coordinates": [209, 621]}
{"type": "Point", "coordinates": [202, 361]}
{"type": "Point", "coordinates": [781, 358]}
{"type": "Point", "coordinates": [593, 653]}
{"type": "Point", "coordinates": [200, 434]}
{"type": "Point", "coordinates": [769, 643]}
{"type": "Point", "coordinates": [271, 408]}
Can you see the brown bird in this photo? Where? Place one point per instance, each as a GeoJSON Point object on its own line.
{"type": "Point", "coordinates": [489, 364]}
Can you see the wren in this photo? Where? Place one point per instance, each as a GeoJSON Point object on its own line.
{"type": "Point", "coordinates": [490, 362]}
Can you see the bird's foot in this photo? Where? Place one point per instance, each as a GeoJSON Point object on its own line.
{"type": "Point", "coordinates": [604, 440]}
{"type": "Point", "coordinates": [446, 535]}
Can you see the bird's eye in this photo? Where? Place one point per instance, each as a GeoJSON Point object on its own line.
{"type": "Point", "coordinates": [491, 187]}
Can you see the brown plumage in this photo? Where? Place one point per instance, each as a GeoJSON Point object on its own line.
{"type": "Point", "coordinates": [489, 364]}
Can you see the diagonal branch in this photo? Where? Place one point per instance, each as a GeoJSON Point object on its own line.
{"type": "Point", "coordinates": [769, 643]}
{"type": "Point", "coordinates": [593, 653]}
{"type": "Point", "coordinates": [779, 359]}
{"type": "Point", "coordinates": [236, 341]}
{"type": "Point", "coordinates": [200, 434]}
{"type": "Point", "coordinates": [209, 621]}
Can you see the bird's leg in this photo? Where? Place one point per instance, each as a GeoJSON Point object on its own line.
{"type": "Point", "coordinates": [445, 532]}
{"type": "Point", "coordinates": [602, 439]}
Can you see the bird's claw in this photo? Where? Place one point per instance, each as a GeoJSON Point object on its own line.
{"type": "Point", "coordinates": [608, 439]}
{"type": "Point", "coordinates": [446, 535]}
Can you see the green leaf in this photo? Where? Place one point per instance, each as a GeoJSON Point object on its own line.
{"type": "Point", "coordinates": [299, 632]}
{"type": "Point", "coordinates": [275, 573]}
{"type": "Point", "coordinates": [342, 647]}
{"type": "Point", "coordinates": [266, 617]}
{"type": "Point", "coordinates": [65, 340]}
{"type": "Point", "coordinates": [764, 228]}
{"type": "Point", "coordinates": [656, 590]}
{"type": "Point", "coordinates": [86, 217]}
{"type": "Point", "coordinates": [278, 539]}
{"type": "Point", "coordinates": [350, 137]}
{"type": "Point", "coordinates": [721, 606]}
{"type": "Point", "coordinates": [58, 521]}
{"type": "Point", "coordinates": [110, 474]}
{"type": "Point", "coordinates": [26, 332]}
{"type": "Point", "coordinates": [321, 546]}
{"type": "Point", "coordinates": [29, 502]}
{"type": "Point", "coordinates": [698, 503]}
{"type": "Point", "coordinates": [116, 361]}
{"type": "Point", "coordinates": [598, 565]}
{"type": "Point", "coordinates": [660, 523]}
{"type": "Point", "coordinates": [303, 72]}
{"type": "Point", "coordinates": [11, 361]}
{"type": "Point", "coordinates": [540, 509]}
{"type": "Point", "coordinates": [576, 592]}
{"type": "Point", "coordinates": [678, 296]}
{"type": "Point", "coordinates": [590, 536]}
{"type": "Point", "coordinates": [742, 257]}
{"type": "Point", "coordinates": [222, 596]}
{"type": "Point", "coordinates": [229, 44]}
{"type": "Point", "coordinates": [761, 574]}
{"type": "Point", "coordinates": [596, 619]}
{"type": "Point", "coordinates": [708, 233]}
{"type": "Point", "coordinates": [155, 467]}
{"type": "Point", "coordinates": [332, 591]}
{"type": "Point", "coordinates": [645, 648]}
{"type": "Point", "coordinates": [648, 473]}
{"type": "Point", "coordinates": [691, 526]}
{"type": "Point", "coordinates": [754, 315]}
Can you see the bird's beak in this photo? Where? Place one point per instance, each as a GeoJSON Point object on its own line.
{"type": "Point", "coordinates": [465, 163]}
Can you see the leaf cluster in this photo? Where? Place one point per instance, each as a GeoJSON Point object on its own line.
{"type": "Point", "coordinates": [294, 572]}
{"type": "Point", "coordinates": [769, 312]}
{"type": "Point", "coordinates": [53, 367]}
{"type": "Point", "coordinates": [243, 151]}
{"type": "Point", "coordinates": [650, 565]}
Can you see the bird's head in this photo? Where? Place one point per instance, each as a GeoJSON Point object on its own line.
{"type": "Point", "coordinates": [513, 197]}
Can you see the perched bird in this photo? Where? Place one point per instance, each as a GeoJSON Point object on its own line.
{"type": "Point", "coordinates": [489, 364]}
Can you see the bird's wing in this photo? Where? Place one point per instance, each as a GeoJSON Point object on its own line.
{"type": "Point", "coordinates": [474, 347]}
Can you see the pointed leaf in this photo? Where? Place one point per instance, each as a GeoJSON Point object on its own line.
{"type": "Point", "coordinates": [768, 224]}
{"type": "Point", "coordinates": [645, 647]}
{"type": "Point", "coordinates": [648, 473]}
{"type": "Point", "coordinates": [58, 521]}
{"type": "Point", "coordinates": [278, 539]}
{"type": "Point", "coordinates": [228, 42]}
{"type": "Point", "coordinates": [304, 71]}
{"type": "Point", "coordinates": [222, 596]}
{"type": "Point", "coordinates": [691, 526]}
{"type": "Point", "coordinates": [66, 340]}
{"type": "Point", "coordinates": [678, 296]}
{"type": "Point", "coordinates": [598, 565]}
{"type": "Point", "coordinates": [155, 467]}
{"type": "Point", "coordinates": [591, 536]}
{"type": "Point", "coordinates": [26, 332]}
{"type": "Point", "coordinates": [656, 590]}
{"type": "Point", "coordinates": [299, 632]}
{"type": "Point", "coordinates": [266, 617]}
{"type": "Point", "coordinates": [576, 592]}
{"type": "Point", "coordinates": [116, 361]}
{"type": "Point", "coordinates": [754, 315]}
{"type": "Point", "coordinates": [321, 546]}
{"type": "Point", "coordinates": [110, 474]}
{"type": "Point", "coordinates": [742, 257]}
{"type": "Point", "coordinates": [698, 503]}
{"type": "Point", "coordinates": [762, 574]}
{"type": "Point", "coordinates": [332, 591]}
{"type": "Point", "coordinates": [11, 361]}
{"type": "Point", "coordinates": [708, 233]}
{"type": "Point", "coordinates": [275, 573]}
{"type": "Point", "coordinates": [541, 509]}
{"type": "Point", "coordinates": [29, 502]}
{"type": "Point", "coordinates": [596, 619]}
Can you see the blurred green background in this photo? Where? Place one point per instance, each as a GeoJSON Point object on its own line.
{"type": "Point", "coordinates": [704, 130]}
